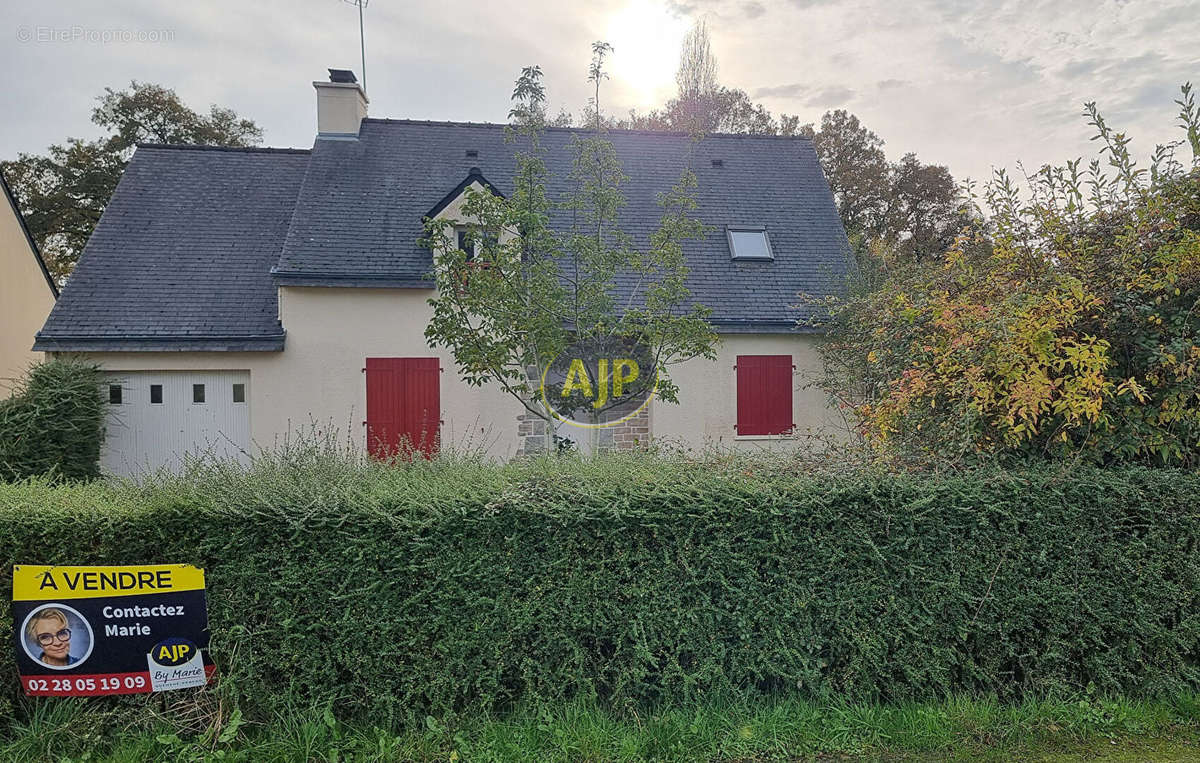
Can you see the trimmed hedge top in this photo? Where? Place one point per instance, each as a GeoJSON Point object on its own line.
{"type": "Point", "coordinates": [449, 586]}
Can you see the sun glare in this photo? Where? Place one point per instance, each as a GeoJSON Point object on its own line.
{"type": "Point", "coordinates": [646, 37]}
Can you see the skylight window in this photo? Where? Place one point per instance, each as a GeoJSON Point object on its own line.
{"type": "Point", "coordinates": [749, 243]}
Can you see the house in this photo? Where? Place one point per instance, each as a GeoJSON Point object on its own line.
{"type": "Point", "coordinates": [27, 291]}
{"type": "Point", "coordinates": [238, 295]}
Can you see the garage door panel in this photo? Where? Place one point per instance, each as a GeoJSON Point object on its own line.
{"type": "Point", "coordinates": [142, 435]}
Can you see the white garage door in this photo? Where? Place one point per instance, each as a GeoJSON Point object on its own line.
{"type": "Point", "coordinates": [155, 417]}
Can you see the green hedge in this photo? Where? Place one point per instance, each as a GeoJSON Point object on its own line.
{"type": "Point", "coordinates": [449, 586]}
{"type": "Point", "coordinates": [53, 422]}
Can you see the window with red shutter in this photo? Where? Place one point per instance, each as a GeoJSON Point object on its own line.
{"type": "Point", "coordinates": [764, 394]}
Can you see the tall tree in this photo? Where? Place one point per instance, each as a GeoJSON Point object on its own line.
{"type": "Point", "coordinates": [697, 72]}
{"type": "Point", "coordinates": [63, 192]}
{"type": "Point", "coordinates": [696, 78]}
{"type": "Point", "coordinates": [910, 208]}
{"type": "Point", "coordinates": [857, 170]}
{"type": "Point", "coordinates": [525, 291]}
{"type": "Point", "coordinates": [702, 105]}
{"type": "Point", "coordinates": [923, 212]}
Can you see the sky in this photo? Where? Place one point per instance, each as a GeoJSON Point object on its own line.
{"type": "Point", "coordinates": [971, 85]}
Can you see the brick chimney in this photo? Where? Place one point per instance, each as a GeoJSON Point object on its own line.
{"type": "Point", "coordinates": [341, 105]}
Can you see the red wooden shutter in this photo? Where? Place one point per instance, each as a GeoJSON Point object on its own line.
{"type": "Point", "coordinates": [384, 408]}
{"type": "Point", "coordinates": [403, 406]}
{"type": "Point", "coordinates": [423, 404]}
{"type": "Point", "coordinates": [764, 394]}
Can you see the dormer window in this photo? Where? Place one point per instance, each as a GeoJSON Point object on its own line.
{"type": "Point", "coordinates": [472, 240]}
{"type": "Point", "coordinates": [749, 242]}
{"type": "Point", "coordinates": [466, 242]}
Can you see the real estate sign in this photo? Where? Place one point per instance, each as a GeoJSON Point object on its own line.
{"type": "Point", "coordinates": [91, 631]}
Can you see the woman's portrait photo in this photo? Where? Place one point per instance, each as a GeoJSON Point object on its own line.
{"type": "Point", "coordinates": [57, 636]}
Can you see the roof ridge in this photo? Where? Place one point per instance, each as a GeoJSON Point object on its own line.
{"type": "Point", "coordinates": [240, 149]}
{"type": "Point", "coordinates": [624, 131]}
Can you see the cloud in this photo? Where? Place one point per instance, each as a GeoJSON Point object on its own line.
{"type": "Point", "coordinates": [966, 57]}
{"type": "Point", "coordinates": [681, 9]}
{"type": "Point", "coordinates": [969, 85]}
{"type": "Point", "coordinates": [831, 96]}
{"type": "Point", "coordinates": [796, 90]}
{"type": "Point", "coordinates": [1080, 68]}
{"type": "Point", "coordinates": [722, 10]}
{"type": "Point", "coordinates": [1115, 66]}
{"type": "Point", "coordinates": [809, 95]}
{"type": "Point", "coordinates": [753, 9]}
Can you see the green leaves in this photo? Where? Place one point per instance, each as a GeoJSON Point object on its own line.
{"type": "Point", "coordinates": [52, 424]}
{"type": "Point", "coordinates": [527, 289]}
{"type": "Point", "coordinates": [528, 97]}
{"type": "Point", "coordinates": [449, 588]}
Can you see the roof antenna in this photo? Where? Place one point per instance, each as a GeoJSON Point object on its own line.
{"type": "Point", "coordinates": [362, 40]}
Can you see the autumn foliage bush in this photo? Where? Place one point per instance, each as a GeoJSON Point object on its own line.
{"type": "Point", "coordinates": [1064, 322]}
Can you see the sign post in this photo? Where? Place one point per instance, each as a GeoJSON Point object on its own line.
{"type": "Point", "coordinates": [93, 631]}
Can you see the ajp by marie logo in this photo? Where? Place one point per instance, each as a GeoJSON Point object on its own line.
{"type": "Point", "coordinates": [599, 383]}
{"type": "Point", "coordinates": [175, 663]}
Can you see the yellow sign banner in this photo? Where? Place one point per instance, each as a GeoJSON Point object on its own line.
{"type": "Point", "coordinates": [36, 583]}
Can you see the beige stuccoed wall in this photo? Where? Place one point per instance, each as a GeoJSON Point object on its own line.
{"type": "Point", "coordinates": [707, 409]}
{"type": "Point", "coordinates": [318, 378]}
{"type": "Point", "coordinates": [317, 381]}
{"type": "Point", "coordinates": [332, 331]}
{"type": "Point", "coordinates": [25, 297]}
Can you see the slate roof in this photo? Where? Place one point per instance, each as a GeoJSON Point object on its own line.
{"type": "Point", "coordinates": [181, 258]}
{"type": "Point", "coordinates": [195, 239]}
{"type": "Point", "coordinates": [358, 218]}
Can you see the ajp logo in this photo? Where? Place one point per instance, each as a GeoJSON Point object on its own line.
{"type": "Point", "coordinates": [599, 383]}
{"type": "Point", "coordinates": [172, 652]}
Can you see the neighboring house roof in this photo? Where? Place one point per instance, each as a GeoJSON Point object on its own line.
{"type": "Point", "coordinates": [33, 247]}
{"type": "Point", "coordinates": [181, 257]}
{"type": "Point", "coordinates": [186, 251]}
{"type": "Point", "coordinates": [359, 215]}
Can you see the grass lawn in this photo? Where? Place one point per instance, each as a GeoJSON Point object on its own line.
{"type": "Point", "coordinates": [960, 729]}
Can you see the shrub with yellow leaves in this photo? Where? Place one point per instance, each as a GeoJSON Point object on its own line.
{"type": "Point", "coordinates": [1064, 321]}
